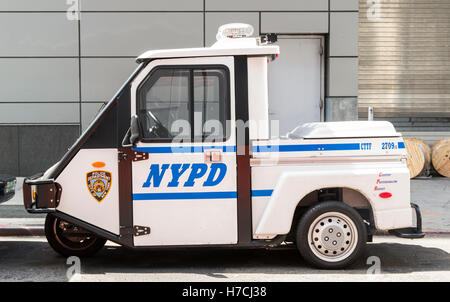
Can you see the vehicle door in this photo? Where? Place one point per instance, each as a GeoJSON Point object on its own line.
{"type": "Point", "coordinates": [185, 192]}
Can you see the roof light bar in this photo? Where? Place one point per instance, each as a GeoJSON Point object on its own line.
{"type": "Point", "coordinates": [234, 30]}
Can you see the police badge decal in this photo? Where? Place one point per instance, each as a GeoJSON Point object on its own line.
{"type": "Point", "coordinates": [98, 183]}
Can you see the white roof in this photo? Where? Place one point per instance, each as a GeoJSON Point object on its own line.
{"type": "Point", "coordinates": [223, 47]}
{"type": "Point", "coordinates": [344, 130]}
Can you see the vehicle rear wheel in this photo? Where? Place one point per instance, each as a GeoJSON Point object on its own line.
{"type": "Point", "coordinates": [331, 235]}
{"type": "Point", "coordinates": [70, 240]}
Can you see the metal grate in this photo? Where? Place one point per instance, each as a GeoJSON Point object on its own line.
{"type": "Point", "coordinates": [404, 61]}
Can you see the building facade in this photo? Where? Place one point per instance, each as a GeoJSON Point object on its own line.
{"type": "Point", "coordinates": [60, 61]}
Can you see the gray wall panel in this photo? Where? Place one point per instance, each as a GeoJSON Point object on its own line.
{"type": "Point", "coordinates": [343, 77]}
{"type": "Point", "coordinates": [102, 77]}
{"type": "Point", "coordinates": [341, 109]}
{"type": "Point", "coordinates": [38, 34]}
{"type": "Point", "coordinates": [336, 5]}
{"type": "Point", "coordinates": [265, 5]}
{"type": "Point", "coordinates": [112, 33]}
{"type": "Point", "coordinates": [88, 112]}
{"type": "Point", "coordinates": [36, 113]}
{"type": "Point", "coordinates": [295, 23]}
{"type": "Point", "coordinates": [33, 5]}
{"type": "Point", "coordinates": [130, 34]}
{"type": "Point", "coordinates": [344, 34]}
{"type": "Point", "coordinates": [140, 5]}
{"type": "Point", "coordinates": [39, 79]}
{"type": "Point", "coordinates": [214, 20]}
{"type": "Point", "coordinates": [9, 150]}
{"type": "Point", "coordinates": [41, 146]}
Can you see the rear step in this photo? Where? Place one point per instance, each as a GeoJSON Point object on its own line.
{"type": "Point", "coordinates": [411, 233]}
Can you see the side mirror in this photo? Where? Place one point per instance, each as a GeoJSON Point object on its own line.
{"type": "Point", "coordinates": [133, 134]}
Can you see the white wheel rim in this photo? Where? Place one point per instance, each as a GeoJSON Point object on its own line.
{"type": "Point", "coordinates": [332, 236]}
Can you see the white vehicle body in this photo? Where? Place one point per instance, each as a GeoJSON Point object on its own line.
{"type": "Point", "coordinates": [168, 193]}
{"type": "Point", "coordinates": [360, 165]}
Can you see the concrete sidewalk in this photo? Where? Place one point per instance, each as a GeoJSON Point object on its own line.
{"type": "Point", "coordinates": [432, 195]}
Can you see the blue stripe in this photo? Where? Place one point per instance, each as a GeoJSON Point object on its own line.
{"type": "Point", "coordinates": [313, 147]}
{"type": "Point", "coordinates": [262, 193]}
{"type": "Point", "coordinates": [185, 195]}
{"type": "Point", "coordinates": [270, 148]}
{"type": "Point", "coordinates": [190, 149]}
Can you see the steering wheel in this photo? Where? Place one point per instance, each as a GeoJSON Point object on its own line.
{"type": "Point", "coordinates": [158, 130]}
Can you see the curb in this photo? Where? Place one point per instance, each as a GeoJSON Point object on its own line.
{"type": "Point", "coordinates": [437, 232]}
{"type": "Point", "coordinates": [22, 231]}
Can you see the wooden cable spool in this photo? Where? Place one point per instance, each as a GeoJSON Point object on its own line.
{"type": "Point", "coordinates": [439, 142]}
{"type": "Point", "coordinates": [416, 157]}
{"type": "Point", "coordinates": [440, 156]}
{"type": "Point", "coordinates": [425, 149]}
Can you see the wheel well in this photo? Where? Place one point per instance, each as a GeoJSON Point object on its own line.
{"type": "Point", "coordinates": [349, 196]}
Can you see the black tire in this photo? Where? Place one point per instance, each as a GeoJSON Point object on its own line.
{"type": "Point", "coordinates": [81, 246]}
{"type": "Point", "coordinates": [339, 223]}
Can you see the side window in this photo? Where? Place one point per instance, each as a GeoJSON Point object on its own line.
{"type": "Point", "coordinates": [187, 104]}
{"type": "Point", "coordinates": [210, 104]}
{"type": "Point", "coordinates": [164, 99]}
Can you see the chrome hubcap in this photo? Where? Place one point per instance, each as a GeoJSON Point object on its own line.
{"type": "Point", "coordinates": [332, 236]}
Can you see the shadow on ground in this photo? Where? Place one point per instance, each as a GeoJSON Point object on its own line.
{"type": "Point", "coordinates": [35, 260]}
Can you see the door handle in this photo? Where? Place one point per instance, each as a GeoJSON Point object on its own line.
{"type": "Point", "coordinates": [213, 156]}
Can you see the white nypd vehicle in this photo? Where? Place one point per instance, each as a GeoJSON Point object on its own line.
{"type": "Point", "coordinates": [182, 157]}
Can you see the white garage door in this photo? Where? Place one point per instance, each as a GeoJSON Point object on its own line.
{"type": "Point", "coordinates": [296, 82]}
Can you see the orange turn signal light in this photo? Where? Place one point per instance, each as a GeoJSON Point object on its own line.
{"type": "Point", "coordinates": [98, 164]}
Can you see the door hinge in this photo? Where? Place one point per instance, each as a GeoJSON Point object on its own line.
{"type": "Point", "coordinates": [141, 230]}
{"type": "Point", "coordinates": [134, 155]}
{"type": "Point", "coordinates": [138, 155]}
{"type": "Point", "coordinates": [122, 155]}
{"type": "Point", "coordinates": [136, 230]}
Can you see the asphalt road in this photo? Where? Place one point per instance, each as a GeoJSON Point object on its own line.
{"type": "Point", "coordinates": [31, 259]}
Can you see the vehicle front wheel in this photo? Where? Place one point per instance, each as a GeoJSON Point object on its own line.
{"type": "Point", "coordinates": [70, 240]}
{"type": "Point", "coordinates": [331, 235]}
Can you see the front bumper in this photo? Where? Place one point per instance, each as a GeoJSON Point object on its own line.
{"type": "Point", "coordinates": [41, 195]}
{"type": "Point", "coordinates": [414, 232]}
